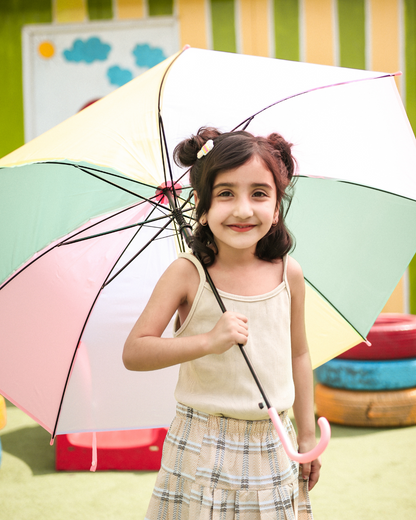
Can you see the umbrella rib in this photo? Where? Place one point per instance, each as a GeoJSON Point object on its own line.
{"type": "Point", "coordinates": [165, 155]}
{"type": "Point", "coordinates": [142, 223]}
{"type": "Point", "coordinates": [130, 241]}
{"type": "Point", "coordinates": [111, 174]}
{"type": "Point", "coordinates": [334, 307]}
{"type": "Point", "coordinates": [144, 199]}
{"type": "Point", "coordinates": [359, 185]}
{"type": "Point", "coordinates": [69, 239]}
{"type": "Point", "coordinates": [247, 121]}
{"type": "Point", "coordinates": [190, 217]}
{"type": "Point", "coordinates": [72, 363]}
{"type": "Point", "coordinates": [162, 137]}
{"type": "Point", "coordinates": [109, 280]}
{"type": "Point", "coordinates": [163, 150]}
{"type": "Point", "coordinates": [121, 188]}
{"type": "Point", "coordinates": [85, 170]}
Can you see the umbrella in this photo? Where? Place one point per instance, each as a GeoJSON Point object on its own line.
{"type": "Point", "coordinates": [87, 230]}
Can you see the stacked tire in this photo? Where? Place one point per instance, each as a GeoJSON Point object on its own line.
{"type": "Point", "coordinates": [373, 386]}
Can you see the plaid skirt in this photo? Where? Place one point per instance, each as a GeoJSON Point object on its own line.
{"type": "Point", "coordinates": [217, 468]}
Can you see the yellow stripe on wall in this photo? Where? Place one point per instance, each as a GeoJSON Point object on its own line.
{"type": "Point", "coordinates": [396, 301]}
{"type": "Point", "coordinates": [319, 40]}
{"type": "Point", "coordinates": [69, 11]}
{"type": "Point", "coordinates": [254, 27]}
{"type": "Point", "coordinates": [129, 9]}
{"type": "Point", "coordinates": [193, 23]}
{"type": "Point", "coordinates": [385, 57]}
{"type": "Point", "coordinates": [385, 35]}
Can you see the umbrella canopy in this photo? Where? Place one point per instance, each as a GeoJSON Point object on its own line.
{"type": "Point", "coordinates": [82, 200]}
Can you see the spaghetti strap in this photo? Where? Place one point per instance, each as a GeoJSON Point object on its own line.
{"type": "Point", "coordinates": [192, 258]}
{"type": "Point", "coordinates": [285, 262]}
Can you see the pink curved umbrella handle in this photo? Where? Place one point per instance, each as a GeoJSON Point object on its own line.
{"type": "Point", "coordinates": [302, 458]}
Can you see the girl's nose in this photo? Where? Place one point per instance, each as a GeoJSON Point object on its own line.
{"type": "Point", "coordinates": [242, 208]}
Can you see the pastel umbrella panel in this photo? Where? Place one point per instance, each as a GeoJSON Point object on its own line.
{"type": "Point", "coordinates": [64, 315]}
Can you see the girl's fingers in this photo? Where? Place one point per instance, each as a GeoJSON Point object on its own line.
{"type": "Point", "coordinates": [306, 470]}
{"type": "Point", "coordinates": [313, 479]}
{"type": "Point", "coordinates": [315, 468]}
{"type": "Point", "coordinates": [231, 329]}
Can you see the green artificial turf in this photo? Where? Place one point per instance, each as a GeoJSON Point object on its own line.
{"type": "Point", "coordinates": [367, 474]}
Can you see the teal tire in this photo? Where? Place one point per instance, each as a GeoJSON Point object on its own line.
{"type": "Point", "coordinates": [368, 375]}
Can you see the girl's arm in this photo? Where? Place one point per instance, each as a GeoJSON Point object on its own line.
{"type": "Point", "coordinates": [303, 406]}
{"type": "Point", "coordinates": [144, 348]}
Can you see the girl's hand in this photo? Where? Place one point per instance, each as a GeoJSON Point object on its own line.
{"type": "Point", "coordinates": [310, 470]}
{"type": "Point", "coordinates": [231, 329]}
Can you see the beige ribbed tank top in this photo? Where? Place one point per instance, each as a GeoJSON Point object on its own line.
{"type": "Point", "coordinates": [221, 384]}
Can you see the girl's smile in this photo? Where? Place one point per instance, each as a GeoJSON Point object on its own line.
{"type": "Point", "coordinates": [240, 228]}
{"type": "Point", "coordinates": [243, 206]}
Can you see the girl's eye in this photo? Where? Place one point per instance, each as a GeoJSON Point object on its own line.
{"type": "Point", "coordinates": [225, 194]}
{"type": "Point", "coordinates": [259, 194]}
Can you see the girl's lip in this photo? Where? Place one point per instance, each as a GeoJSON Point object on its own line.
{"type": "Point", "coordinates": [241, 228]}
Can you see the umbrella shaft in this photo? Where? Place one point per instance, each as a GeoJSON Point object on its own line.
{"type": "Point", "coordinates": [243, 350]}
{"type": "Point", "coordinates": [256, 379]}
{"type": "Point", "coordinates": [184, 228]}
{"type": "Point", "coordinates": [186, 232]}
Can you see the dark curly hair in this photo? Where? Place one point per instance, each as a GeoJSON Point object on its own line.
{"type": "Point", "coordinates": [231, 150]}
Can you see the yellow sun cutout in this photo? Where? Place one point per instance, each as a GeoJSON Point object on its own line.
{"type": "Point", "coordinates": [46, 49]}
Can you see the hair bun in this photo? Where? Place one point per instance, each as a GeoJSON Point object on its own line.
{"type": "Point", "coordinates": [284, 151]}
{"type": "Point", "coordinates": [185, 153]}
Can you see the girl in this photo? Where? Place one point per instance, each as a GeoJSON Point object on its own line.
{"type": "Point", "coordinates": [222, 457]}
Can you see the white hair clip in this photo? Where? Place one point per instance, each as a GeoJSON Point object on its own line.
{"type": "Point", "coordinates": [208, 146]}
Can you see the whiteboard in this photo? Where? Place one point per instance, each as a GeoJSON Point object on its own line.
{"type": "Point", "coordinates": [66, 67]}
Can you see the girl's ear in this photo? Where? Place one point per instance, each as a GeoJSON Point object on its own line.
{"type": "Point", "coordinates": [276, 214]}
{"type": "Point", "coordinates": [203, 219]}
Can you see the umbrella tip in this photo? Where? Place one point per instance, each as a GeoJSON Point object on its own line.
{"type": "Point", "coordinates": [186, 47]}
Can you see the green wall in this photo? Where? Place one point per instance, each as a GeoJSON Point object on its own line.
{"type": "Point", "coordinates": [286, 29]}
{"type": "Point", "coordinates": [410, 71]}
{"type": "Point", "coordinates": [13, 15]}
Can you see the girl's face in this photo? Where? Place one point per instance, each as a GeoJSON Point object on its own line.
{"type": "Point", "coordinates": [243, 206]}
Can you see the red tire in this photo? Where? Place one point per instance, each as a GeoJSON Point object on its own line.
{"type": "Point", "coordinates": [370, 409]}
{"type": "Point", "coordinates": [393, 336]}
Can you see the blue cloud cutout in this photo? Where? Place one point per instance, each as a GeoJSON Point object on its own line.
{"type": "Point", "coordinates": [89, 50]}
{"type": "Point", "coordinates": [147, 56]}
{"type": "Point", "coordinates": [118, 76]}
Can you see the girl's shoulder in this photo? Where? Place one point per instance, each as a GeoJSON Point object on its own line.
{"type": "Point", "coordinates": [294, 275]}
{"type": "Point", "coordinates": [184, 271]}
{"type": "Point", "coordinates": [183, 267]}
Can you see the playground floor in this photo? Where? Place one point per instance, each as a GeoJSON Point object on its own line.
{"type": "Point", "coordinates": [366, 474]}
